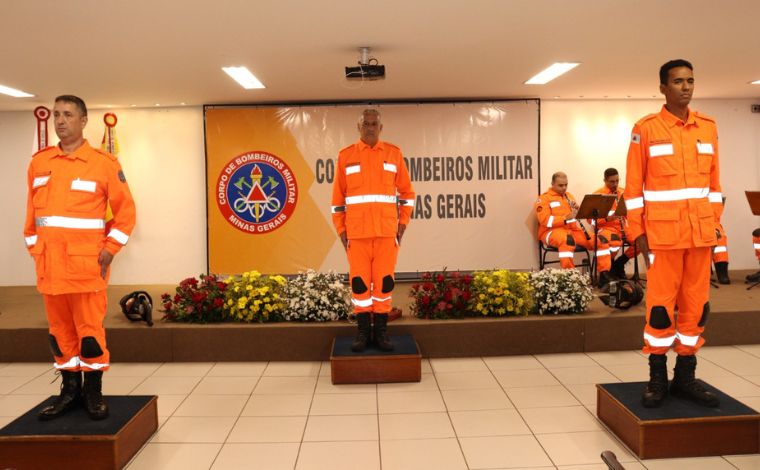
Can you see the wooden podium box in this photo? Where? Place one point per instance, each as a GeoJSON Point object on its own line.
{"type": "Point", "coordinates": [76, 442]}
{"type": "Point", "coordinates": [403, 364]}
{"type": "Point", "coordinates": [679, 428]}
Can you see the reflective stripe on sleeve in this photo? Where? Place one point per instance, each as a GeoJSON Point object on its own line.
{"type": "Point", "coordinates": [406, 202]}
{"type": "Point", "coordinates": [31, 240]}
{"type": "Point", "coordinates": [334, 209]}
{"type": "Point", "coordinates": [634, 203]}
{"type": "Point", "coordinates": [565, 254]}
{"type": "Point", "coordinates": [550, 222]}
{"type": "Point", "coordinates": [119, 236]}
{"type": "Point", "coordinates": [602, 252]}
{"type": "Point", "coordinates": [715, 197]}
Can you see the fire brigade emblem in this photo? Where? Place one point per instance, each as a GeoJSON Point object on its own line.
{"type": "Point", "coordinates": [256, 192]}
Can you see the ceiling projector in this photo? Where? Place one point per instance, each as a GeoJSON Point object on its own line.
{"type": "Point", "coordinates": [368, 69]}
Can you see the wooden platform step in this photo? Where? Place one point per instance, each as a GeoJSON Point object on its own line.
{"type": "Point", "coordinates": [403, 364]}
{"type": "Point", "coordinates": [679, 428]}
{"type": "Point", "coordinates": [76, 442]}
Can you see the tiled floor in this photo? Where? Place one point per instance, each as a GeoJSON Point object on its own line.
{"type": "Point", "coordinates": [466, 413]}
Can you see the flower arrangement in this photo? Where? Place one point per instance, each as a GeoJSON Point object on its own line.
{"type": "Point", "coordinates": [561, 291]}
{"type": "Point", "coordinates": [255, 297]}
{"type": "Point", "coordinates": [315, 296]}
{"type": "Point", "coordinates": [196, 300]}
{"type": "Point", "coordinates": [441, 295]}
{"type": "Point", "coordinates": [501, 292]}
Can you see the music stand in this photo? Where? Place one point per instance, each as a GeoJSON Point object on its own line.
{"type": "Point", "coordinates": [595, 206]}
{"type": "Point", "coordinates": [753, 198]}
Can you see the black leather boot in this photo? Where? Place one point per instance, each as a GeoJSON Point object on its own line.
{"type": "Point", "coordinates": [93, 396]}
{"type": "Point", "coordinates": [381, 333]}
{"type": "Point", "coordinates": [685, 386]}
{"type": "Point", "coordinates": [618, 267]}
{"type": "Point", "coordinates": [71, 393]}
{"type": "Point", "coordinates": [657, 388]}
{"type": "Point", "coordinates": [604, 278]}
{"type": "Point", "coordinates": [362, 336]}
{"type": "Point", "coordinates": [721, 270]}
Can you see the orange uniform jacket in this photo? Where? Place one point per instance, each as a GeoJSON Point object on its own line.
{"type": "Point", "coordinates": [66, 206]}
{"type": "Point", "coordinates": [365, 203]}
{"type": "Point", "coordinates": [553, 211]}
{"type": "Point", "coordinates": [604, 223]}
{"type": "Point", "coordinates": [681, 203]}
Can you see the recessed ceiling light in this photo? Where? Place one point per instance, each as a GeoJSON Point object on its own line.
{"type": "Point", "coordinates": [132, 105]}
{"type": "Point", "coordinates": [244, 77]}
{"type": "Point", "coordinates": [182, 103]}
{"type": "Point", "coordinates": [157, 104]}
{"type": "Point", "coordinates": [6, 90]}
{"type": "Point", "coordinates": [556, 97]}
{"type": "Point", "coordinates": [551, 72]}
{"type": "Point", "coordinates": [756, 82]}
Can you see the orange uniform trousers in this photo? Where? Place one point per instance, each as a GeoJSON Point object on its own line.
{"type": "Point", "coordinates": [720, 252]}
{"type": "Point", "coordinates": [77, 336]}
{"type": "Point", "coordinates": [565, 241]}
{"type": "Point", "coordinates": [677, 277]}
{"type": "Point", "coordinates": [615, 237]}
{"type": "Point", "coordinates": [372, 262]}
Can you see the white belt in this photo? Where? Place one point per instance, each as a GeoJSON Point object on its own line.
{"type": "Point", "coordinates": [69, 222]}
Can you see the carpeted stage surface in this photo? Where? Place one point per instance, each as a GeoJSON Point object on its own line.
{"type": "Point", "coordinates": [734, 319]}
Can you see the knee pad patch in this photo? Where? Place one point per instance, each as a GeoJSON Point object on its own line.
{"type": "Point", "coordinates": [603, 239]}
{"type": "Point", "coordinates": [658, 318]}
{"type": "Point", "coordinates": [54, 346]}
{"type": "Point", "coordinates": [358, 286]}
{"type": "Point", "coordinates": [614, 237]}
{"type": "Point", "coordinates": [570, 240]}
{"type": "Point", "coordinates": [90, 347]}
{"type": "Point", "coordinates": [756, 232]}
{"type": "Point", "coordinates": [705, 314]}
{"type": "Point", "coordinates": [388, 284]}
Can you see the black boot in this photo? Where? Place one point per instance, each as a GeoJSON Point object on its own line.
{"type": "Point", "coordinates": [362, 336]}
{"type": "Point", "coordinates": [604, 278]}
{"type": "Point", "coordinates": [93, 396]}
{"type": "Point", "coordinates": [753, 277]}
{"type": "Point", "coordinates": [657, 387]}
{"type": "Point", "coordinates": [381, 333]}
{"type": "Point", "coordinates": [721, 269]}
{"type": "Point", "coordinates": [618, 267]}
{"type": "Point", "coordinates": [685, 386]}
{"type": "Point", "coordinates": [71, 392]}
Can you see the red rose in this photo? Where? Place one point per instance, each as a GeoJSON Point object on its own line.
{"type": "Point", "coordinates": [222, 286]}
{"type": "Point", "coordinates": [428, 286]}
{"type": "Point", "coordinates": [466, 295]}
{"type": "Point", "coordinates": [426, 300]}
{"type": "Point", "coordinates": [441, 306]}
{"type": "Point", "coordinates": [218, 302]}
{"type": "Point", "coordinates": [447, 296]}
{"type": "Point", "coordinates": [427, 275]}
{"type": "Point", "coordinates": [467, 279]}
{"type": "Point", "coordinates": [440, 278]}
{"type": "Point", "coordinates": [177, 298]}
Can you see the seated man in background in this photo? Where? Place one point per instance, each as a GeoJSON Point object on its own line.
{"type": "Point", "coordinates": [720, 255]}
{"type": "Point", "coordinates": [557, 227]}
{"type": "Point", "coordinates": [756, 241]}
{"type": "Point", "coordinates": [612, 228]}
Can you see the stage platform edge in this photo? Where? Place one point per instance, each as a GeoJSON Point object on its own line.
{"type": "Point", "coordinates": [403, 364]}
{"type": "Point", "coordinates": [76, 442]}
{"type": "Point", "coordinates": [679, 428]}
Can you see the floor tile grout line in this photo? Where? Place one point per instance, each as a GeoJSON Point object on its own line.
{"type": "Point", "coordinates": [448, 414]}
{"type": "Point", "coordinates": [308, 414]}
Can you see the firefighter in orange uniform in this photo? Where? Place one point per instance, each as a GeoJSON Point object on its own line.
{"type": "Point", "coordinates": [674, 202]}
{"type": "Point", "coordinates": [555, 210]}
{"type": "Point", "coordinates": [611, 227]}
{"type": "Point", "coordinates": [756, 242]}
{"type": "Point", "coordinates": [69, 187]}
{"type": "Point", "coordinates": [371, 206]}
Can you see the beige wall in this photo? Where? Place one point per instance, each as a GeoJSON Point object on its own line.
{"type": "Point", "coordinates": [163, 158]}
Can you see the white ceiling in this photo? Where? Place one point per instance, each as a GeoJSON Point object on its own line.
{"type": "Point", "coordinates": [142, 52]}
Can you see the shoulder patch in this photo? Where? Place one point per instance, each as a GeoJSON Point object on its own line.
{"type": "Point", "coordinates": [43, 150]}
{"type": "Point", "coordinates": [122, 178]}
{"type": "Point", "coordinates": [635, 138]}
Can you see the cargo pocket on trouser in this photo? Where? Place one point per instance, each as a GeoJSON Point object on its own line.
{"type": "Point", "coordinates": [38, 253]}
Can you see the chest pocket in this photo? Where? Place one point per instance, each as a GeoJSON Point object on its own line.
{"type": "Point", "coordinates": [705, 154]}
{"type": "Point", "coordinates": [354, 176]}
{"type": "Point", "coordinates": [389, 173]}
{"type": "Point", "coordinates": [40, 191]}
{"type": "Point", "coordinates": [662, 160]}
{"type": "Point", "coordinates": [82, 196]}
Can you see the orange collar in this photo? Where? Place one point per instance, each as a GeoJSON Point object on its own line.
{"type": "Point", "coordinates": [380, 145]}
{"type": "Point", "coordinates": [673, 121]}
{"type": "Point", "coordinates": [81, 153]}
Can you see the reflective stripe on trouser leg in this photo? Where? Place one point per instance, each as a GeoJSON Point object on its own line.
{"type": "Point", "coordinates": [691, 300]}
{"type": "Point", "coordinates": [383, 264]}
{"type": "Point", "coordinates": [360, 268]}
{"type": "Point", "coordinates": [603, 259]}
{"type": "Point", "coordinates": [663, 282]}
{"type": "Point", "coordinates": [559, 240]}
{"type": "Point", "coordinates": [61, 326]}
{"type": "Point", "coordinates": [756, 243]}
{"type": "Point", "coordinates": [89, 311]}
{"type": "Point", "coordinates": [720, 252]}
